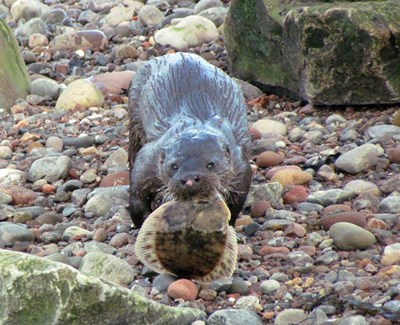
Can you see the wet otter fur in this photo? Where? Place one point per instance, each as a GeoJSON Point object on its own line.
{"type": "Point", "coordinates": [188, 137]}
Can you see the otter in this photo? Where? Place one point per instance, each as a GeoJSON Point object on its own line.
{"type": "Point", "coordinates": [189, 135]}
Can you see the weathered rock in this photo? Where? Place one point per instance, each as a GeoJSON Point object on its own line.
{"type": "Point", "coordinates": [271, 192]}
{"type": "Point", "coordinates": [234, 317]}
{"type": "Point", "coordinates": [292, 316]}
{"type": "Point", "coordinates": [12, 177]}
{"type": "Point", "coordinates": [70, 297]}
{"type": "Point", "coordinates": [359, 159]}
{"type": "Point", "coordinates": [10, 233]}
{"type": "Point", "coordinates": [14, 79]}
{"type": "Point", "coordinates": [27, 9]}
{"type": "Point", "coordinates": [118, 15]}
{"type": "Point", "coordinates": [107, 267]}
{"type": "Point", "coordinates": [80, 40]}
{"type": "Point", "coordinates": [45, 87]}
{"type": "Point", "coordinates": [348, 237]}
{"type": "Point", "coordinates": [80, 93]}
{"type": "Point", "coordinates": [49, 168]}
{"type": "Point", "coordinates": [327, 53]}
{"type": "Point", "coordinates": [187, 32]}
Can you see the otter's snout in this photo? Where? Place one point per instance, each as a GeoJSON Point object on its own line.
{"type": "Point", "coordinates": [190, 181]}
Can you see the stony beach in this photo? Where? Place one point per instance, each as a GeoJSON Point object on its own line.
{"type": "Point", "coordinates": [319, 237]}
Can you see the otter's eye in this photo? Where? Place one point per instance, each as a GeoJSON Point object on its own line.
{"type": "Point", "coordinates": [174, 166]}
{"type": "Point", "coordinates": [210, 166]}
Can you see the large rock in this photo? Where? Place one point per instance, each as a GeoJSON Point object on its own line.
{"type": "Point", "coordinates": [14, 79]}
{"type": "Point", "coordinates": [38, 291]}
{"type": "Point", "coordinates": [330, 53]}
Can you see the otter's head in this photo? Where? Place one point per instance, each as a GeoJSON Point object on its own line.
{"type": "Point", "coordinates": [196, 163]}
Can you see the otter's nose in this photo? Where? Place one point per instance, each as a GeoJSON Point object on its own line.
{"type": "Point", "coordinates": [190, 181]}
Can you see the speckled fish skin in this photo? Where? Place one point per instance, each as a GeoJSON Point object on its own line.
{"type": "Point", "coordinates": [190, 239]}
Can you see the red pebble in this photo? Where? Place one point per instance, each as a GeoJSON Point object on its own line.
{"type": "Point", "coordinates": [183, 289]}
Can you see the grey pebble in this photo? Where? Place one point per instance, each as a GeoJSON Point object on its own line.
{"type": "Point", "coordinates": [238, 286]}
{"type": "Point", "coordinates": [95, 246]}
{"type": "Point", "coordinates": [45, 87]}
{"type": "Point", "coordinates": [329, 197]}
{"type": "Point", "coordinates": [161, 282]}
{"type": "Point", "coordinates": [359, 159]}
{"type": "Point", "coordinates": [379, 131]}
{"type": "Point", "coordinates": [354, 320]}
{"type": "Point", "coordinates": [99, 205]}
{"type": "Point", "coordinates": [270, 286]}
{"type": "Point", "coordinates": [10, 233]}
{"type": "Point", "coordinates": [234, 317]}
{"type": "Point", "coordinates": [327, 258]}
{"type": "Point", "coordinates": [391, 204]}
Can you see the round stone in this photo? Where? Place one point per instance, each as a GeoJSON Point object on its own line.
{"type": "Point", "coordinates": [347, 236]}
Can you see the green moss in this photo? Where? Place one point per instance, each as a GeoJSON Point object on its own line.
{"type": "Point", "coordinates": [14, 79]}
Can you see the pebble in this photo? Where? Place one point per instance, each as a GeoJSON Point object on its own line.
{"type": "Point", "coordinates": [234, 317]}
{"type": "Point", "coordinates": [270, 286]}
{"type": "Point", "coordinates": [269, 159]}
{"type": "Point", "coordinates": [354, 320]}
{"type": "Point", "coordinates": [354, 217]}
{"type": "Point", "coordinates": [239, 286]}
{"type": "Point", "coordinates": [80, 93]}
{"type": "Point", "coordinates": [12, 177]}
{"type": "Point", "coordinates": [25, 9]}
{"type": "Point", "coordinates": [347, 236]}
{"type": "Point", "coordinates": [95, 246]}
{"type": "Point", "coordinates": [99, 205]}
{"type": "Point", "coordinates": [117, 158]}
{"type": "Point", "coordinates": [162, 282]}
{"type": "Point", "coordinates": [394, 154]}
{"type": "Point", "coordinates": [291, 316]}
{"type": "Point", "coordinates": [300, 258]}
{"type": "Point", "coordinates": [391, 254]}
{"type": "Point", "coordinates": [80, 40]}
{"type": "Point", "coordinates": [270, 127]}
{"type": "Point", "coordinates": [119, 240]}
{"type": "Point", "coordinates": [391, 204]}
{"type": "Point", "coordinates": [118, 15]}
{"type": "Point", "coordinates": [391, 185]}
{"type": "Point", "coordinates": [296, 194]}
{"type": "Point", "coordinates": [391, 310]}
{"type": "Point", "coordinates": [45, 87]}
{"type": "Point", "coordinates": [359, 186]}
{"type": "Point", "coordinates": [19, 194]}
{"type": "Point", "coordinates": [76, 233]}
{"type": "Point", "coordinates": [289, 176]}
{"type": "Point", "coordinates": [54, 143]}
{"type": "Point", "coordinates": [207, 4]}
{"type": "Point", "coordinates": [217, 15]}
{"type": "Point", "coordinates": [187, 32]}
{"type": "Point", "coordinates": [183, 289]}
{"type": "Point", "coordinates": [150, 15]}
{"type": "Point", "coordinates": [359, 159]}
{"type": "Point", "coordinates": [108, 267]}
{"type": "Point", "coordinates": [113, 83]}
{"type": "Point", "coordinates": [329, 197]}
{"type": "Point", "coordinates": [49, 168]}
{"type": "Point", "coordinates": [379, 131]}
{"type": "Point", "coordinates": [5, 152]}
{"type": "Point", "coordinates": [11, 233]}
{"type": "Point", "coordinates": [248, 303]}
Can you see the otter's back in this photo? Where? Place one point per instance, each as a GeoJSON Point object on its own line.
{"type": "Point", "coordinates": [183, 87]}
